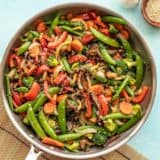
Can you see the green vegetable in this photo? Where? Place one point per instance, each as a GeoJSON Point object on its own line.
{"type": "Point", "coordinates": [112, 29]}
{"type": "Point", "coordinates": [121, 67]}
{"type": "Point", "coordinates": [130, 123]}
{"type": "Point", "coordinates": [127, 47]}
{"type": "Point", "coordinates": [70, 23]}
{"type": "Point", "coordinates": [130, 63]}
{"type": "Point", "coordinates": [137, 108]}
{"type": "Point", "coordinates": [41, 99]}
{"type": "Point", "coordinates": [28, 81]}
{"type": "Point", "coordinates": [105, 39]}
{"type": "Point", "coordinates": [34, 123]}
{"type": "Point", "coordinates": [105, 55]}
{"type": "Point", "coordinates": [12, 73]}
{"type": "Point", "coordinates": [30, 35]}
{"type": "Point", "coordinates": [139, 71]}
{"type": "Point", "coordinates": [22, 89]}
{"type": "Point", "coordinates": [43, 122]}
{"type": "Point", "coordinates": [62, 116]}
{"type": "Point", "coordinates": [23, 48]}
{"type": "Point", "coordinates": [120, 88]}
{"type": "Point", "coordinates": [110, 125]}
{"type": "Point", "coordinates": [116, 115]}
{"type": "Point", "coordinates": [129, 91]}
{"type": "Point", "coordinates": [112, 19]}
{"type": "Point", "coordinates": [72, 31]}
{"type": "Point", "coordinates": [8, 92]}
{"type": "Point", "coordinates": [24, 107]}
{"type": "Point", "coordinates": [75, 65]}
{"type": "Point", "coordinates": [73, 147]}
{"type": "Point", "coordinates": [100, 77]}
{"type": "Point", "coordinates": [54, 23]}
{"type": "Point", "coordinates": [25, 121]}
{"type": "Point", "coordinates": [99, 139]}
{"type": "Point", "coordinates": [66, 64]}
{"type": "Point", "coordinates": [52, 61]}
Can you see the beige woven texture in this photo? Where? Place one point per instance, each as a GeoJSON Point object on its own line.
{"type": "Point", "coordinates": [14, 147]}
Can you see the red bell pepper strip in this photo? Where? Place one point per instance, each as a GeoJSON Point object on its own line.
{"type": "Point", "coordinates": [33, 92]}
{"type": "Point", "coordinates": [77, 58]}
{"type": "Point", "coordinates": [16, 99]}
{"type": "Point", "coordinates": [88, 105]}
{"type": "Point", "coordinates": [104, 104]}
{"type": "Point", "coordinates": [42, 69]}
{"type": "Point", "coordinates": [14, 60]}
{"type": "Point", "coordinates": [52, 99]}
{"type": "Point", "coordinates": [125, 94]}
{"type": "Point", "coordinates": [60, 78]}
{"type": "Point", "coordinates": [141, 96]}
{"type": "Point", "coordinates": [62, 38]}
{"type": "Point", "coordinates": [84, 16]}
{"type": "Point", "coordinates": [87, 38]}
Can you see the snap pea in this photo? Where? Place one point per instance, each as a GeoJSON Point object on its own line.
{"type": "Point", "coordinates": [127, 47]}
{"type": "Point", "coordinates": [105, 39]}
{"type": "Point", "coordinates": [112, 19]}
{"type": "Point", "coordinates": [23, 48]}
{"type": "Point", "coordinates": [116, 115]}
{"type": "Point", "coordinates": [66, 64]}
{"type": "Point", "coordinates": [24, 107]}
{"type": "Point", "coordinates": [139, 71]}
{"type": "Point", "coordinates": [8, 92]}
{"type": "Point", "coordinates": [70, 23]}
{"type": "Point", "coordinates": [62, 116]}
{"type": "Point", "coordinates": [34, 123]}
{"type": "Point", "coordinates": [129, 123]}
{"type": "Point", "coordinates": [44, 124]}
{"type": "Point", "coordinates": [120, 88]}
{"type": "Point", "coordinates": [22, 89]}
{"type": "Point", "coordinates": [54, 23]}
{"type": "Point", "coordinates": [105, 55]}
{"type": "Point", "coordinates": [69, 29]}
{"type": "Point", "coordinates": [41, 99]}
{"type": "Point", "coordinates": [69, 136]}
{"type": "Point", "coordinates": [129, 91]}
{"type": "Point", "coordinates": [25, 121]}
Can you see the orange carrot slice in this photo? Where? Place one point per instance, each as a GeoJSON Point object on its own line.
{"type": "Point", "coordinates": [125, 107]}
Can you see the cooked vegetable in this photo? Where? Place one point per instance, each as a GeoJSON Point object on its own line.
{"type": "Point", "coordinates": [76, 80]}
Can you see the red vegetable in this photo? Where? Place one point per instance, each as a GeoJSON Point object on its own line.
{"type": "Point", "coordinates": [42, 69]}
{"type": "Point", "coordinates": [125, 94]}
{"type": "Point", "coordinates": [14, 60]}
{"type": "Point", "coordinates": [87, 38]}
{"type": "Point", "coordinates": [99, 22]}
{"type": "Point", "coordinates": [141, 96]}
{"type": "Point", "coordinates": [60, 78]}
{"type": "Point", "coordinates": [97, 89]}
{"type": "Point", "coordinates": [88, 105]}
{"type": "Point", "coordinates": [57, 30]}
{"type": "Point", "coordinates": [41, 27]}
{"type": "Point", "coordinates": [33, 92]}
{"type": "Point", "coordinates": [62, 38]}
{"type": "Point", "coordinates": [125, 34]}
{"type": "Point", "coordinates": [77, 58]}
{"type": "Point", "coordinates": [16, 99]}
{"type": "Point", "coordinates": [104, 105]}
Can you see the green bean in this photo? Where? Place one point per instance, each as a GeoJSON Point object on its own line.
{"type": "Point", "coordinates": [41, 99]}
{"type": "Point", "coordinates": [54, 23]}
{"type": "Point", "coordinates": [43, 122]}
{"type": "Point", "coordinates": [127, 47]}
{"type": "Point", "coordinates": [116, 115]}
{"type": "Point", "coordinates": [62, 116]}
{"type": "Point", "coordinates": [112, 19]}
{"type": "Point", "coordinates": [66, 64]}
{"type": "Point", "coordinates": [34, 123]}
{"type": "Point", "coordinates": [22, 89]}
{"type": "Point", "coordinates": [24, 107]}
{"type": "Point", "coordinates": [23, 48]}
{"type": "Point", "coordinates": [8, 92]}
{"type": "Point", "coordinates": [120, 88]}
{"type": "Point", "coordinates": [129, 91]}
{"type": "Point", "coordinates": [139, 71]}
{"type": "Point", "coordinates": [100, 78]}
{"type": "Point", "coordinates": [69, 29]}
{"type": "Point", "coordinates": [69, 136]}
{"type": "Point", "coordinates": [105, 55]}
{"type": "Point", "coordinates": [130, 123]}
{"type": "Point", "coordinates": [105, 39]}
{"type": "Point", "coordinates": [70, 23]}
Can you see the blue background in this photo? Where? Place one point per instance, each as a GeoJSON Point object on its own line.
{"type": "Point", "coordinates": [13, 13]}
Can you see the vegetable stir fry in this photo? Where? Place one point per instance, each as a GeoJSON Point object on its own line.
{"type": "Point", "coordinates": [75, 80]}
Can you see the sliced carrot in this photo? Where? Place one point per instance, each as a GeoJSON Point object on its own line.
{"type": "Point", "coordinates": [119, 26]}
{"type": "Point", "coordinates": [77, 45]}
{"type": "Point", "coordinates": [41, 27]}
{"type": "Point", "coordinates": [125, 107]}
{"type": "Point", "coordinates": [125, 94]}
{"type": "Point", "coordinates": [49, 108]}
{"type": "Point", "coordinates": [108, 92]}
{"type": "Point", "coordinates": [61, 97]}
{"type": "Point", "coordinates": [53, 142]}
{"type": "Point", "coordinates": [125, 33]}
{"type": "Point", "coordinates": [77, 58]}
{"type": "Point", "coordinates": [97, 89]}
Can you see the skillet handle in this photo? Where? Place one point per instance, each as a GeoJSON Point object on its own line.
{"type": "Point", "coordinates": [32, 155]}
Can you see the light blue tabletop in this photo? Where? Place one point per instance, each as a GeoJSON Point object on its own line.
{"type": "Point", "coordinates": [13, 13]}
